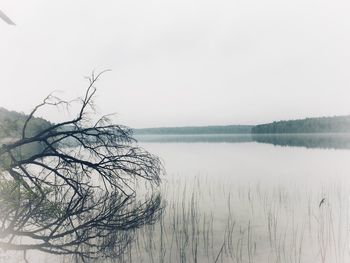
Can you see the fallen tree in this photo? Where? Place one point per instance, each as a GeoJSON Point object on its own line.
{"type": "Point", "coordinates": [76, 191]}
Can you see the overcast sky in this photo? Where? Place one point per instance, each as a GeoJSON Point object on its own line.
{"type": "Point", "coordinates": [181, 62]}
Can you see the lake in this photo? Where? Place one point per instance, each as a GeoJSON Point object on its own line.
{"type": "Point", "coordinates": [244, 198]}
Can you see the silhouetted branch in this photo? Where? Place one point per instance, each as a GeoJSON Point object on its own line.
{"type": "Point", "coordinates": [78, 153]}
{"type": "Point", "coordinates": [75, 193]}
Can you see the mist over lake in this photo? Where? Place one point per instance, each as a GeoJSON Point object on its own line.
{"type": "Point", "coordinates": [232, 198]}
{"type": "Point", "coordinates": [258, 202]}
{"type": "Point", "coordinates": [174, 131]}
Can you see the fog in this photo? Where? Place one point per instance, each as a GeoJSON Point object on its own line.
{"type": "Point", "coordinates": [177, 63]}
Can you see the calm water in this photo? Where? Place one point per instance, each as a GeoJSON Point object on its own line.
{"type": "Point", "coordinates": [240, 198]}
{"type": "Point", "coordinates": [268, 187]}
{"type": "Point", "coordinates": [309, 160]}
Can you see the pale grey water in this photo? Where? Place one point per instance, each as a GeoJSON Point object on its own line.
{"type": "Point", "coordinates": [263, 177]}
{"type": "Point", "coordinates": [298, 158]}
{"type": "Point", "coordinates": [260, 184]}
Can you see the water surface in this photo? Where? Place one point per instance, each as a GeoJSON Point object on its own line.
{"type": "Point", "coordinates": [244, 198]}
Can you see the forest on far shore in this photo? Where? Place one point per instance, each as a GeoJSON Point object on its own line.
{"type": "Point", "coordinates": [11, 124]}
{"type": "Point", "coordinates": [225, 129]}
{"type": "Point", "coordinates": [337, 124]}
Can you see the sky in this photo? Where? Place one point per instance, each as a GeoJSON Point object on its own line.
{"type": "Point", "coordinates": [180, 62]}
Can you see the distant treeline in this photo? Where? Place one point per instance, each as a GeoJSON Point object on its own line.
{"type": "Point", "coordinates": [12, 122]}
{"type": "Point", "coordinates": [228, 129]}
{"type": "Point", "coordinates": [339, 124]}
{"type": "Point", "coordinates": [11, 125]}
{"type": "Point", "coordinates": [310, 125]}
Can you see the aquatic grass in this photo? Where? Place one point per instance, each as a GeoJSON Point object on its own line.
{"type": "Point", "coordinates": [244, 223]}
{"type": "Point", "coordinates": [247, 223]}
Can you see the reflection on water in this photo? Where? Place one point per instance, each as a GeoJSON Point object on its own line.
{"type": "Point", "coordinates": [250, 202]}
{"type": "Point", "coordinates": [100, 225]}
{"type": "Point", "coordinates": [322, 141]}
{"type": "Point", "coordinates": [239, 201]}
{"type": "Point", "coordinates": [210, 138]}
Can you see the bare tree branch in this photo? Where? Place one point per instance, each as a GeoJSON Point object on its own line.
{"type": "Point", "coordinates": [75, 194]}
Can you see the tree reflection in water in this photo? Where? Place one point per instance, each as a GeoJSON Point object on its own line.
{"type": "Point", "coordinates": [318, 141]}
{"type": "Point", "coordinates": [95, 225]}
